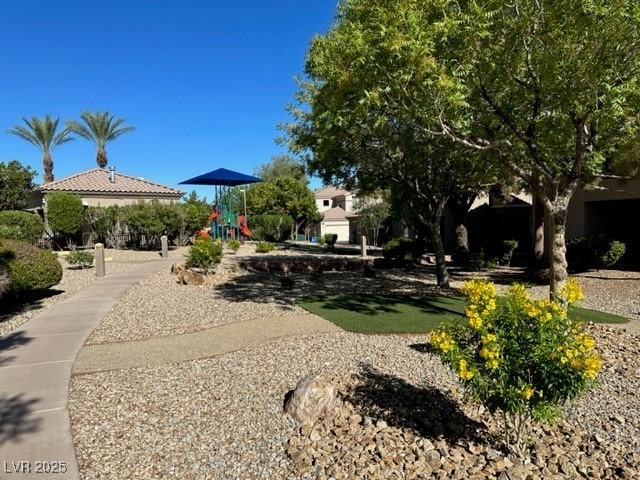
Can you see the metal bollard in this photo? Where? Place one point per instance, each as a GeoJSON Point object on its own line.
{"type": "Point", "coordinates": [165, 246]}
{"type": "Point", "coordinates": [99, 260]}
{"type": "Point", "coordinates": [363, 246]}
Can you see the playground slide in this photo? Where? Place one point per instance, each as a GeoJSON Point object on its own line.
{"type": "Point", "coordinates": [245, 230]}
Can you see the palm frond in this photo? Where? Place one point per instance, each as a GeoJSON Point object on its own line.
{"type": "Point", "coordinates": [100, 128]}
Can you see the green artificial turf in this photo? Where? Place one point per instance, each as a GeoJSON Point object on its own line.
{"type": "Point", "coordinates": [405, 313]}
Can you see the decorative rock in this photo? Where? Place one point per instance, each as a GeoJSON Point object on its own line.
{"type": "Point", "coordinates": [312, 399]}
{"type": "Point", "coordinates": [186, 276]}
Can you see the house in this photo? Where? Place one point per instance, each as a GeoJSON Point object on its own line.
{"type": "Point", "coordinates": [100, 187]}
{"type": "Point", "coordinates": [492, 218]}
{"type": "Point", "coordinates": [606, 208]}
{"type": "Point", "coordinates": [610, 208]}
{"type": "Point", "coordinates": [335, 203]}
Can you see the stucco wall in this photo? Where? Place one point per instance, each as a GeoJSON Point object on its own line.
{"type": "Point", "coordinates": [579, 222]}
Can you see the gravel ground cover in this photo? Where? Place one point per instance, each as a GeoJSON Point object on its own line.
{"type": "Point", "coordinates": [73, 279]}
{"type": "Point", "coordinates": [222, 418]}
{"type": "Point", "coordinates": [401, 413]}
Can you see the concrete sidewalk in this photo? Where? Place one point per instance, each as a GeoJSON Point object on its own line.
{"type": "Point", "coordinates": [202, 344]}
{"type": "Point", "coordinates": [36, 361]}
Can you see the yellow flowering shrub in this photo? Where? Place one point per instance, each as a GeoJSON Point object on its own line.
{"type": "Point", "coordinates": [519, 356]}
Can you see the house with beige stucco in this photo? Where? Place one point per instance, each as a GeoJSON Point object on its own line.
{"type": "Point", "coordinates": [335, 204]}
{"type": "Point", "coordinates": [610, 207]}
{"type": "Point", "coordinates": [102, 188]}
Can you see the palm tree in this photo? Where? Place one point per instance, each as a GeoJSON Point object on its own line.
{"type": "Point", "coordinates": [100, 128]}
{"type": "Point", "coordinates": [41, 132]}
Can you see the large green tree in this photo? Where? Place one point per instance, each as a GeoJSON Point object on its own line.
{"type": "Point", "coordinates": [42, 132]}
{"type": "Point", "coordinates": [16, 183]}
{"type": "Point", "coordinates": [100, 128]}
{"type": "Point", "coordinates": [364, 117]}
{"type": "Point", "coordinates": [282, 166]}
{"type": "Point", "coordinates": [284, 196]}
{"type": "Point", "coordinates": [547, 88]}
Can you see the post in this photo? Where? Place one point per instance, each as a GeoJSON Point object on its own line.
{"type": "Point", "coordinates": [244, 203]}
{"type": "Point", "coordinates": [363, 246]}
{"type": "Point", "coordinates": [99, 259]}
{"type": "Point", "coordinates": [165, 246]}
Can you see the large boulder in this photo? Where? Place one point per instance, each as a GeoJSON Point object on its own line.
{"type": "Point", "coordinates": [312, 399]}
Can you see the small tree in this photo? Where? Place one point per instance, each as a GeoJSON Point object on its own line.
{"type": "Point", "coordinates": [64, 212]}
{"type": "Point", "coordinates": [371, 218]}
{"type": "Point", "coordinates": [194, 214]}
{"type": "Point", "coordinates": [16, 184]}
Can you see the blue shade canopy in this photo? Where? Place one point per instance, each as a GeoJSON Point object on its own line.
{"type": "Point", "coordinates": [221, 176]}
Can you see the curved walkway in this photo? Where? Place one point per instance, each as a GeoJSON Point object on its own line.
{"type": "Point", "coordinates": [38, 358]}
{"type": "Point", "coordinates": [192, 346]}
{"type": "Point", "coordinates": [35, 370]}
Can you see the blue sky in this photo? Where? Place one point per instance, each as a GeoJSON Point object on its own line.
{"type": "Point", "coordinates": [204, 82]}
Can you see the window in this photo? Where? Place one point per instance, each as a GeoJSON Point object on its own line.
{"type": "Point", "coordinates": [325, 203]}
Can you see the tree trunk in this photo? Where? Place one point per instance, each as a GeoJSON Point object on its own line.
{"type": "Point", "coordinates": [442, 274]}
{"type": "Point", "coordinates": [557, 213]}
{"type": "Point", "coordinates": [538, 231]}
{"type": "Point", "coordinates": [459, 206]}
{"type": "Point", "coordinates": [462, 238]}
{"type": "Point", "coordinates": [101, 158]}
{"type": "Point", "coordinates": [47, 166]}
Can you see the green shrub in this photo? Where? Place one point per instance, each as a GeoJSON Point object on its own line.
{"type": "Point", "coordinates": [29, 267]}
{"type": "Point", "coordinates": [330, 239]}
{"type": "Point", "coordinates": [400, 249]}
{"type": "Point", "coordinates": [475, 261]}
{"type": "Point", "coordinates": [612, 254]}
{"type": "Point", "coordinates": [81, 258]}
{"type": "Point", "coordinates": [264, 247]}
{"type": "Point", "coordinates": [204, 254]}
{"type": "Point", "coordinates": [65, 212]}
{"type": "Point", "coordinates": [18, 225]}
{"type": "Point", "coordinates": [272, 228]}
{"type": "Point", "coordinates": [234, 245]}
{"type": "Point", "coordinates": [506, 251]}
{"type": "Point", "coordinates": [5, 280]}
{"type": "Point", "coordinates": [107, 225]}
{"type": "Point", "coordinates": [593, 251]}
{"type": "Point", "coordinates": [521, 358]}
{"type": "Point", "coordinates": [148, 221]}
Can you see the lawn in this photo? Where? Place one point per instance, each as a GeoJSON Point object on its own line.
{"type": "Point", "coordinates": [406, 313]}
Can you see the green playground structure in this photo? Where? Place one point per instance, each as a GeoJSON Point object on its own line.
{"type": "Point", "coordinates": [225, 222]}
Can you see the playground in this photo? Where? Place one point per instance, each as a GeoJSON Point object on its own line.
{"type": "Point", "coordinates": [226, 221]}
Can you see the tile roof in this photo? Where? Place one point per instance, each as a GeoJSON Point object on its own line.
{"type": "Point", "coordinates": [330, 192]}
{"type": "Point", "coordinates": [335, 213]}
{"type": "Point", "coordinates": [98, 180]}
